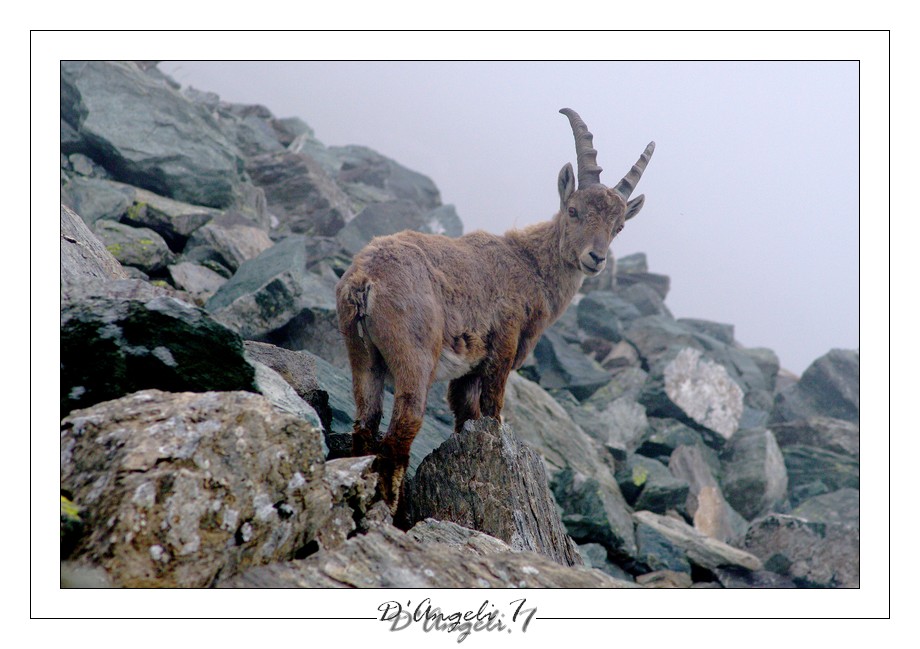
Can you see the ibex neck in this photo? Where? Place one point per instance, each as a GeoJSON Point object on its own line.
{"type": "Point", "coordinates": [560, 279]}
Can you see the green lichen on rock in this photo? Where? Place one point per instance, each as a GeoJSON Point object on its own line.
{"type": "Point", "coordinates": [639, 475]}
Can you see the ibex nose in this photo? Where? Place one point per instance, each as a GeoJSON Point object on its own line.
{"type": "Point", "coordinates": [597, 259]}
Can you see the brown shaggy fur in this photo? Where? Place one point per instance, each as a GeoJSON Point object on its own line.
{"type": "Point", "coordinates": [473, 307]}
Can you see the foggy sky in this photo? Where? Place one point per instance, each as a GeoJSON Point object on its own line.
{"type": "Point", "coordinates": [751, 195]}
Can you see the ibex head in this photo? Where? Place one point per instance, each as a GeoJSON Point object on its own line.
{"type": "Point", "coordinates": [593, 214]}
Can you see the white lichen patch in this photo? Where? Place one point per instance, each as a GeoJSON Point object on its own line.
{"type": "Point", "coordinates": [145, 495]}
{"type": "Point", "coordinates": [529, 570]}
{"type": "Point", "coordinates": [263, 506]}
{"type": "Point", "coordinates": [246, 532]}
{"type": "Point", "coordinates": [297, 480]}
{"type": "Point", "coordinates": [229, 520]}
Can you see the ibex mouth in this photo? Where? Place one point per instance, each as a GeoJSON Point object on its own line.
{"type": "Point", "coordinates": [591, 271]}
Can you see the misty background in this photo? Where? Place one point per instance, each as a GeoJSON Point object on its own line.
{"type": "Point", "coordinates": [751, 195]}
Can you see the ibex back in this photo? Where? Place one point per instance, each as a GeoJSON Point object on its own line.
{"type": "Point", "coordinates": [417, 308]}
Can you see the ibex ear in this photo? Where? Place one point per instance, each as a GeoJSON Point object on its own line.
{"type": "Point", "coordinates": [633, 206]}
{"type": "Point", "coordinates": [566, 184]}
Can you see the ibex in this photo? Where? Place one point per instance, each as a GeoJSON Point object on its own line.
{"type": "Point", "coordinates": [417, 308]}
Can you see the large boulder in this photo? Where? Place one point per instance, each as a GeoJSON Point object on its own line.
{"type": "Point", "coordinates": [647, 484]}
{"type": "Point", "coordinates": [361, 168]}
{"type": "Point", "coordinates": [560, 364]}
{"type": "Point", "coordinates": [173, 220]}
{"type": "Point", "coordinates": [300, 193]}
{"type": "Point", "coordinates": [127, 336]}
{"type": "Point", "coordinates": [484, 478]}
{"type": "Point", "coordinates": [97, 198]}
{"type": "Point", "coordinates": [690, 387]}
{"type": "Point", "coordinates": [706, 505]}
{"type": "Point", "coordinates": [179, 489]}
{"type": "Point", "coordinates": [145, 133]}
{"type": "Point", "coordinates": [829, 387]}
{"type": "Point", "coordinates": [225, 242]}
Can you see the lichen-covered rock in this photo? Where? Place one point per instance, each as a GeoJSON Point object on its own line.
{"type": "Point", "coordinates": [647, 484]}
{"type": "Point", "coordinates": [693, 388]}
{"type": "Point", "coordinates": [173, 220]}
{"type": "Point", "coordinates": [178, 489]}
{"type": "Point", "coordinates": [141, 248]}
{"type": "Point", "coordinates": [114, 344]}
{"type": "Point", "coordinates": [388, 558]}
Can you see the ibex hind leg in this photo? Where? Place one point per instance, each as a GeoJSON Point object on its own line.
{"type": "Point", "coordinates": [368, 372]}
{"type": "Point", "coordinates": [463, 398]}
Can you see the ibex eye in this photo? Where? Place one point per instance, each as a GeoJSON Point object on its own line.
{"type": "Point", "coordinates": [573, 212]}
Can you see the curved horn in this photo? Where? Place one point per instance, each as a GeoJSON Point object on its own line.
{"type": "Point", "coordinates": [626, 186]}
{"type": "Point", "coordinates": [588, 171]}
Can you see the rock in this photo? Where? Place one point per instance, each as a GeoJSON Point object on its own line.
{"type": "Point", "coordinates": [83, 257]}
{"type": "Point", "coordinates": [273, 298]}
{"type": "Point", "coordinates": [648, 299]}
{"type": "Point", "coordinates": [146, 134]}
{"type": "Point", "coordinates": [724, 333]}
{"type": "Point", "coordinates": [754, 473]}
{"type": "Point", "coordinates": [812, 554]}
{"type": "Point", "coordinates": [198, 281]}
{"type": "Point", "coordinates": [431, 531]}
{"type": "Point", "coordinates": [839, 507]}
{"type": "Point", "coordinates": [700, 549]}
{"type": "Point", "coordinates": [139, 247]}
{"type": "Point", "coordinates": [595, 556]}
{"type": "Point", "coordinates": [274, 388]}
{"type": "Point", "coordinates": [768, 362]}
{"type": "Point", "coordinates": [656, 552]}
{"type": "Point", "coordinates": [380, 219]}
{"type": "Point", "coordinates": [77, 575]}
{"type": "Point", "coordinates": [711, 513]}
{"type": "Point", "coordinates": [300, 193]}
{"type": "Point", "coordinates": [665, 579]}
{"type": "Point", "coordinates": [829, 387]}
{"type": "Point", "coordinates": [665, 435]}
{"type": "Point", "coordinates": [593, 508]}
{"type": "Point", "coordinates": [484, 478]}
{"type": "Point", "coordinates": [561, 365]}
{"type": "Point", "coordinates": [363, 167]}
{"type": "Point", "coordinates": [600, 313]}
{"type": "Point", "coordinates": [173, 220]}
{"type": "Point", "coordinates": [634, 263]}
{"type": "Point", "coordinates": [657, 336]}
{"type": "Point", "coordinates": [813, 471]}
{"type": "Point", "coordinates": [97, 198]}
{"type": "Point", "coordinates": [353, 488]}
{"type": "Point", "coordinates": [389, 558]}
{"type": "Point", "coordinates": [734, 577]}
{"type": "Point", "coordinates": [112, 345]}
{"type": "Point", "coordinates": [692, 388]}
{"type": "Point", "coordinates": [835, 435]}
{"type": "Point", "coordinates": [649, 485]}
{"type": "Point", "coordinates": [229, 240]}
{"type": "Point", "coordinates": [179, 489]}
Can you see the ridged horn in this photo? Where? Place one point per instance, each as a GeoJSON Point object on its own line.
{"type": "Point", "coordinates": [588, 171]}
{"type": "Point", "coordinates": [626, 186]}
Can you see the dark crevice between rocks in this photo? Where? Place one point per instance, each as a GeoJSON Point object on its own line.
{"type": "Point", "coordinates": [309, 549]}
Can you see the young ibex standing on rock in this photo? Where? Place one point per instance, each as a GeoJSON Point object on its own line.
{"type": "Point", "coordinates": [418, 308]}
